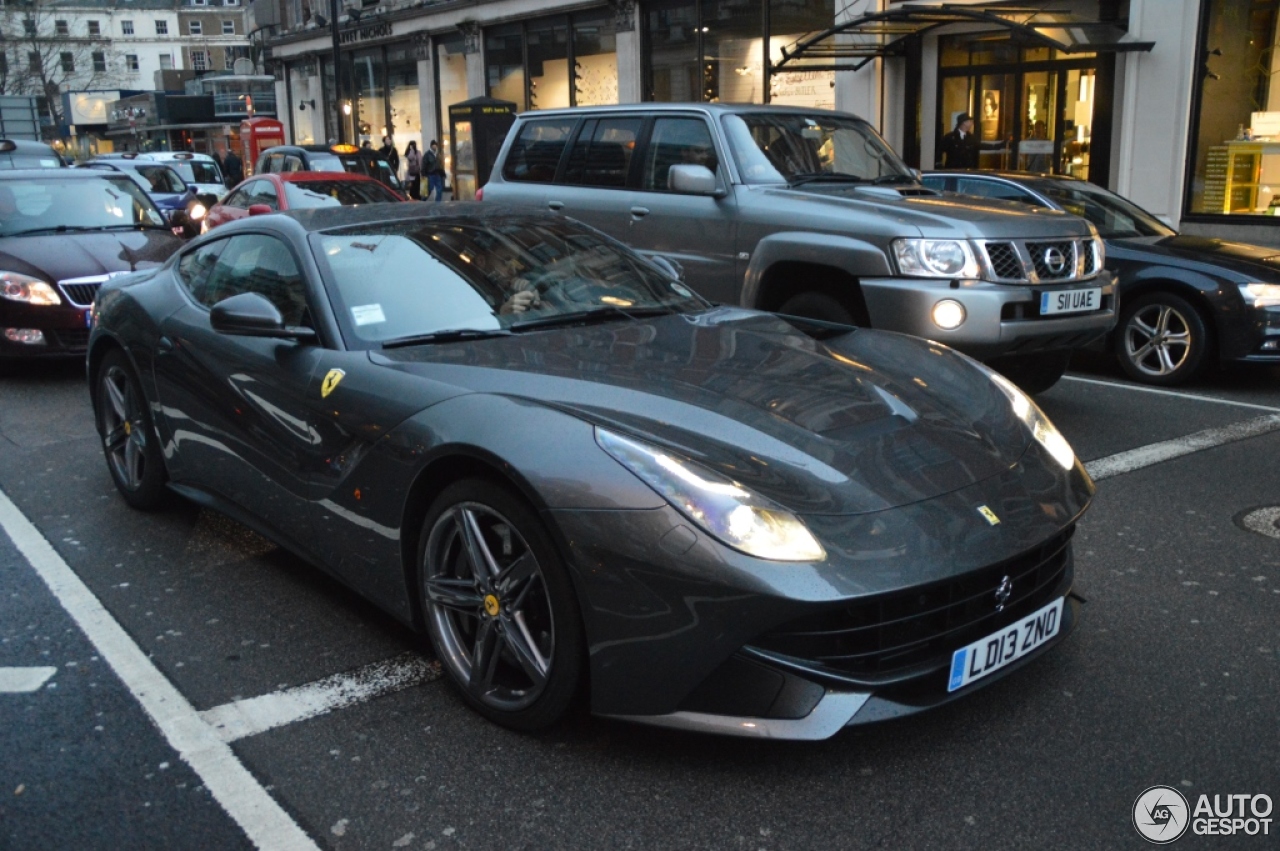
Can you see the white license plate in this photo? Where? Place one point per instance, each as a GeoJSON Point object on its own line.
{"type": "Point", "coordinates": [1070, 301]}
{"type": "Point", "coordinates": [990, 654]}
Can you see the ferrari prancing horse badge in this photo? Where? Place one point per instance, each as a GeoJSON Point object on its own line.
{"type": "Point", "coordinates": [331, 380]}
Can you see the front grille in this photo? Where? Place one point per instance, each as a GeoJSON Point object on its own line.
{"type": "Point", "coordinates": [1004, 260]}
{"type": "Point", "coordinates": [81, 295]}
{"type": "Point", "coordinates": [919, 628]}
{"type": "Point", "coordinates": [1044, 253]}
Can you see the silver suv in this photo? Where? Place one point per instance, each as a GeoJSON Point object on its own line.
{"type": "Point", "coordinates": [809, 212]}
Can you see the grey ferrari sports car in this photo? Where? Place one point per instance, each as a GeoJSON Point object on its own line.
{"type": "Point", "coordinates": [585, 482]}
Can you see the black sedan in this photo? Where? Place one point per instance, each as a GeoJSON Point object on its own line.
{"type": "Point", "coordinates": [1186, 302]}
{"type": "Point", "coordinates": [584, 481]}
{"type": "Point", "coordinates": [62, 233]}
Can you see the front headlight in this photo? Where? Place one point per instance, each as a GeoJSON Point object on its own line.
{"type": "Point", "coordinates": [1260, 295]}
{"type": "Point", "coordinates": [197, 211]}
{"type": "Point", "coordinates": [722, 508]}
{"type": "Point", "coordinates": [935, 258]}
{"type": "Point", "coordinates": [28, 290]}
{"type": "Point", "coordinates": [1045, 432]}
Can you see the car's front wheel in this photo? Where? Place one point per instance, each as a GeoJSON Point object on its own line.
{"type": "Point", "coordinates": [128, 439]}
{"type": "Point", "coordinates": [500, 605]}
{"type": "Point", "coordinates": [1162, 339]}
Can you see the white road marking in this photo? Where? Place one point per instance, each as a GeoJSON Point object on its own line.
{"type": "Point", "coordinates": [1155, 453]}
{"type": "Point", "coordinates": [1264, 521]}
{"type": "Point", "coordinates": [1177, 394]}
{"type": "Point", "coordinates": [255, 715]}
{"type": "Point", "coordinates": [265, 823]}
{"type": "Point", "coordinates": [24, 680]}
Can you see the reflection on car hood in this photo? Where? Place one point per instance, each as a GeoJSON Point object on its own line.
{"type": "Point", "coordinates": [58, 256]}
{"type": "Point", "coordinates": [1254, 261]}
{"type": "Point", "coordinates": [861, 421]}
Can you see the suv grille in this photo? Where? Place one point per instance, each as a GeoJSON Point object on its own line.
{"type": "Point", "coordinates": [1004, 260]}
{"type": "Point", "coordinates": [920, 627]}
{"type": "Point", "coordinates": [1052, 261]}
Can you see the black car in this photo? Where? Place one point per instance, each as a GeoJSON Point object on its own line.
{"type": "Point", "coordinates": [578, 477]}
{"type": "Point", "coordinates": [21, 153]}
{"type": "Point", "coordinates": [62, 233]}
{"type": "Point", "coordinates": [286, 158]}
{"type": "Point", "coordinates": [1186, 302]}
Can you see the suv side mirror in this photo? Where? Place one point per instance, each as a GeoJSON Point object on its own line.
{"type": "Point", "coordinates": [259, 209]}
{"type": "Point", "coordinates": [692, 180]}
{"type": "Point", "coordinates": [252, 315]}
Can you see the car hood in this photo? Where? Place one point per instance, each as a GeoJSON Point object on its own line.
{"type": "Point", "coordinates": [935, 215]}
{"type": "Point", "coordinates": [56, 257]}
{"type": "Point", "coordinates": [857, 422]}
{"type": "Point", "coordinates": [1253, 261]}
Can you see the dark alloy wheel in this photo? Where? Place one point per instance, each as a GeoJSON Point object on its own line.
{"type": "Point", "coordinates": [1162, 339]}
{"type": "Point", "coordinates": [128, 439]}
{"type": "Point", "coordinates": [500, 606]}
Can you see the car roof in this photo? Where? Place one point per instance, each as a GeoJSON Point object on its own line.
{"type": "Point", "coordinates": [1015, 176]}
{"type": "Point", "coordinates": [28, 146]}
{"type": "Point", "coordinates": [706, 108]}
{"type": "Point", "coordinates": [51, 173]}
{"type": "Point", "coordinates": [122, 165]}
{"type": "Point", "coordinates": [309, 176]}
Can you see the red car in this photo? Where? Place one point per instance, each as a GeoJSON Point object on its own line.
{"type": "Point", "coordinates": [297, 190]}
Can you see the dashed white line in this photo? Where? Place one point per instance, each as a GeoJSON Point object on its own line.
{"type": "Point", "coordinates": [255, 715]}
{"type": "Point", "coordinates": [24, 680]}
{"type": "Point", "coordinates": [1177, 394]}
{"type": "Point", "coordinates": [1155, 453]}
{"type": "Point", "coordinates": [265, 823]}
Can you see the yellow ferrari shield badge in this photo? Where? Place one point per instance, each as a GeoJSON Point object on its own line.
{"type": "Point", "coordinates": [989, 514]}
{"type": "Point", "coordinates": [331, 380]}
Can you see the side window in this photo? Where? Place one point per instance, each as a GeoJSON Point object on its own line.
{"type": "Point", "coordinates": [602, 154]}
{"type": "Point", "coordinates": [938, 183]}
{"type": "Point", "coordinates": [992, 189]}
{"type": "Point", "coordinates": [239, 198]}
{"type": "Point", "coordinates": [264, 192]}
{"type": "Point", "coordinates": [255, 263]}
{"type": "Point", "coordinates": [676, 141]}
{"type": "Point", "coordinates": [293, 163]}
{"type": "Point", "coordinates": [275, 164]}
{"type": "Point", "coordinates": [194, 266]}
{"type": "Point", "coordinates": [535, 153]}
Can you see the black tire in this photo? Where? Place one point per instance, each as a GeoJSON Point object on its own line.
{"type": "Point", "coordinates": [129, 439]}
{"type": "Point", "coordinates": [813, 305]}
{"type": "Point", "coordinates": [1034, 373]}
{"type": "Point", "coordinates": [524, 615]}
{"type": "Point", "coordinates": [1162, 339]}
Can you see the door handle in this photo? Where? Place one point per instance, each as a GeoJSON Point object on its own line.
{"type": "Point", "coordinates": [555, 205]}
{"type": "Point", "coordinates": [639, 212]}
{"type": "Point", "coordinates": [164, 344]}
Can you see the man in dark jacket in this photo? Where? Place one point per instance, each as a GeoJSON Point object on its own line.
{"type": "Point", "coordinates": [232, 168]}
{"type": "Point", "coordinates": [960, 147]}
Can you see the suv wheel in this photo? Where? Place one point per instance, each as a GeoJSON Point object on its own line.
{"type": "Point", "coordinates": [1162, 339]}
{"type": "Point", "coordinates": [817, 306]}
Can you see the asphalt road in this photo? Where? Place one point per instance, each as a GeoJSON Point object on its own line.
{"type": "Point", "coordinates": [1172, 677]}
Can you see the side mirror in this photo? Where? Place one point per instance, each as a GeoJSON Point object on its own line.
{"type": "Point", "coordinates": [252, 315]}
{"type": "Point", "coordinates": [692, 180]}
{"type": "Point", "coordinates": [671, 268]}
{"type": "Point", "coordinates": [259, 210]}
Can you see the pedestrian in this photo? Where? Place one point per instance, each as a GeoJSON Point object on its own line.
{"type": "Point", "coordinates": [434, 169]}
{"type": "Point", "coordinates": [388, 153]}
{"type": "Point", "coordinates": [413, 170]}
{"type": "Point", "coordinates": [232, 168]}
{"type": "Point", "coordinates": [366, 145]}
{"type": "Point", "coordinates": [960, 147]}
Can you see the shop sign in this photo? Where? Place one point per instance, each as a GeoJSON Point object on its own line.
{"type": "Point", "coordinates": [382, 29]}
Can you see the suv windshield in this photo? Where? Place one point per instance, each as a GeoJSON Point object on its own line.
{"type": "Point", "coordinates": [33, 205]}
{"type": "Point", "coordinates": [413, 278]}
{"type": "Point", "coordinates": [1113, 216]}
{"type": "Point", "coordinates": [785, 147]}
{"type": "Point", "coordinates": [333, 193]}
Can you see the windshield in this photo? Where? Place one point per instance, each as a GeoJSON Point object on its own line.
{"type": "Point", "coordinates": [1113, 216]}
{"type": "Point", "coordinates": [773, 147]}
{"type": "Point", "coordinates": [325, 162]}
{"type": "Point", "coordinates": [162, 178]}
{"type": "Point", "coordinates": [49, 160]}
{"type": "Point", "coordinates": [33, 204]}
{"type": "Point", "coordinates": [408, 278]}
{"type": "Point", "coordinates": [195, 171]}
{"type": "Point", "coordinates": [334, 193]}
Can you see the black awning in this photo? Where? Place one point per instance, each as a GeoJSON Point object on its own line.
{"type": "Point", "coordinates": [850, 45]}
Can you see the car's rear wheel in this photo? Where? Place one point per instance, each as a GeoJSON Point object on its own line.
{"type": "Point", "coordinates": [1162, 339]}
{"type": "Point", "coordinates": [128, 438]}
{"type": "Point", "coordinates": [500, 606]}
{"type": "Point", "coordinates": [1034, 373]}
{"type": "Point", "coordinates": [817, 306]}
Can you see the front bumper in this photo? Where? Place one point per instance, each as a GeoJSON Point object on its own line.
{"type": "Point", "coordinates": [1001, 319]}
{"type": "Point", "coordinates": [65, 330]}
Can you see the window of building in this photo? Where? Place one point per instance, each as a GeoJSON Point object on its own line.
{"type": "Point", "coordinates": [230, 2]}
{"type": "Point", "coordinates": [4, 63]}
{"type": "Point", "coordinates": [195, 28]}
{"type": "Point", "coordinates": [231, 54]}
{"type": "Point", "coordinates": [33, 61]}
{"type": "Point", "coordinates": [199, 60]}
{"type": "Point", "coordinates": [99, 62]}
{"type": "Point", "coordinates": [1235, 132]}
{"type": "Point", "coordinates": [162, 27]}
{"type": "Point", "coordinates": [126, 27]}
{"type": "Point", "coordinates": [228, 27]}
{"type": "Point", "coordinates": [29, 26]}
{"type": "Point", "coordinates": [95, 28]}
{"type": "Point", "coordinates": [61, 28]}
{"type": "Point", "coordinates": [166, 61]}
{"type": "Point", "coordinates": [68, 62]}
{"type": "Point", "coordinates": [131, 62]}
{"type": "Point", "coordinates": [556, 61]}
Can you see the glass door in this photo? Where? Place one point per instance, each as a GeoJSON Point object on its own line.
{"type": "Point", "coordinates": [1041, 119]}
{"type": "Point", "coordinates": [996, 120]}
{"type": "Point", "coordinates": [1077, 123]}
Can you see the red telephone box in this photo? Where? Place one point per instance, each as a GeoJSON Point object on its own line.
{"type": "Point", "coordinates": [256, 135]}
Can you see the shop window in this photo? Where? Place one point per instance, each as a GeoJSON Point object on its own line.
{"type": "Point", "coordinates": [1236, 138]}
{"type": "Point", "coordinates": [671, 29]}
{"type": "Point", "coordinates": [504, 71]}
{"type": "Point", "coordinates": [403, 100]}
{"type": "Point", "coordinates": [548, 46]}
{"type": "Point", "coordinates": [790, 23]}
{"type": "Point", "coordinates": [595, 59]}
{"type": "Point", "coordinates": [371, 103]}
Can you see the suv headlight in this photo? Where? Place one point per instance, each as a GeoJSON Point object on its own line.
{"type": "Point", "coordinates": [935, 258]}
{"type": "Point", "coordinates": [720, 507]}
{"type": "Point", "coordinates": [1044, 432]}
{"type": "Point", "coordinates": [1260, 295]}
{"type": "Point", "coordinates": [27, 289]}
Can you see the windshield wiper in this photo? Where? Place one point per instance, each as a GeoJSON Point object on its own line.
{"type": "Point", "coordinates": [825, 176]}
{"type": "Point", "coordinates": [86, 228]}
{"type": "Point", "coordinates": [448, 335]}
{"type": "Point", "coordinates": [604, 312]}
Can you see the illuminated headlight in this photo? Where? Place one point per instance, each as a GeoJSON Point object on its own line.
{"type": "Point", "coordinates": [1261, 295]}
{"type": "Point", "coordinates": [935, 258]}
{"type": "Point", "coordinates": [197, 211]}
{"type": "Point", "coordinates": [722, 508]}
{"type": "Point", "coordinates": [1045, 432]}
{"type": "Point", "coordinates": [26, 289]}
{"type": "Point", "coordinates": [948, 314]}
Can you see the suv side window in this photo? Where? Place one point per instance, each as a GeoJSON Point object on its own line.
{"type": "Point", "coordinates": [602, 154]}
{"type": "Point", "coordinates": [676, 141]}
{"type": "Point", "coordinates": [535, 153]}
{"type": "Point", "coordinates": [994, 189]}
{"type": "Point", "coordinates": [255, 263]}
